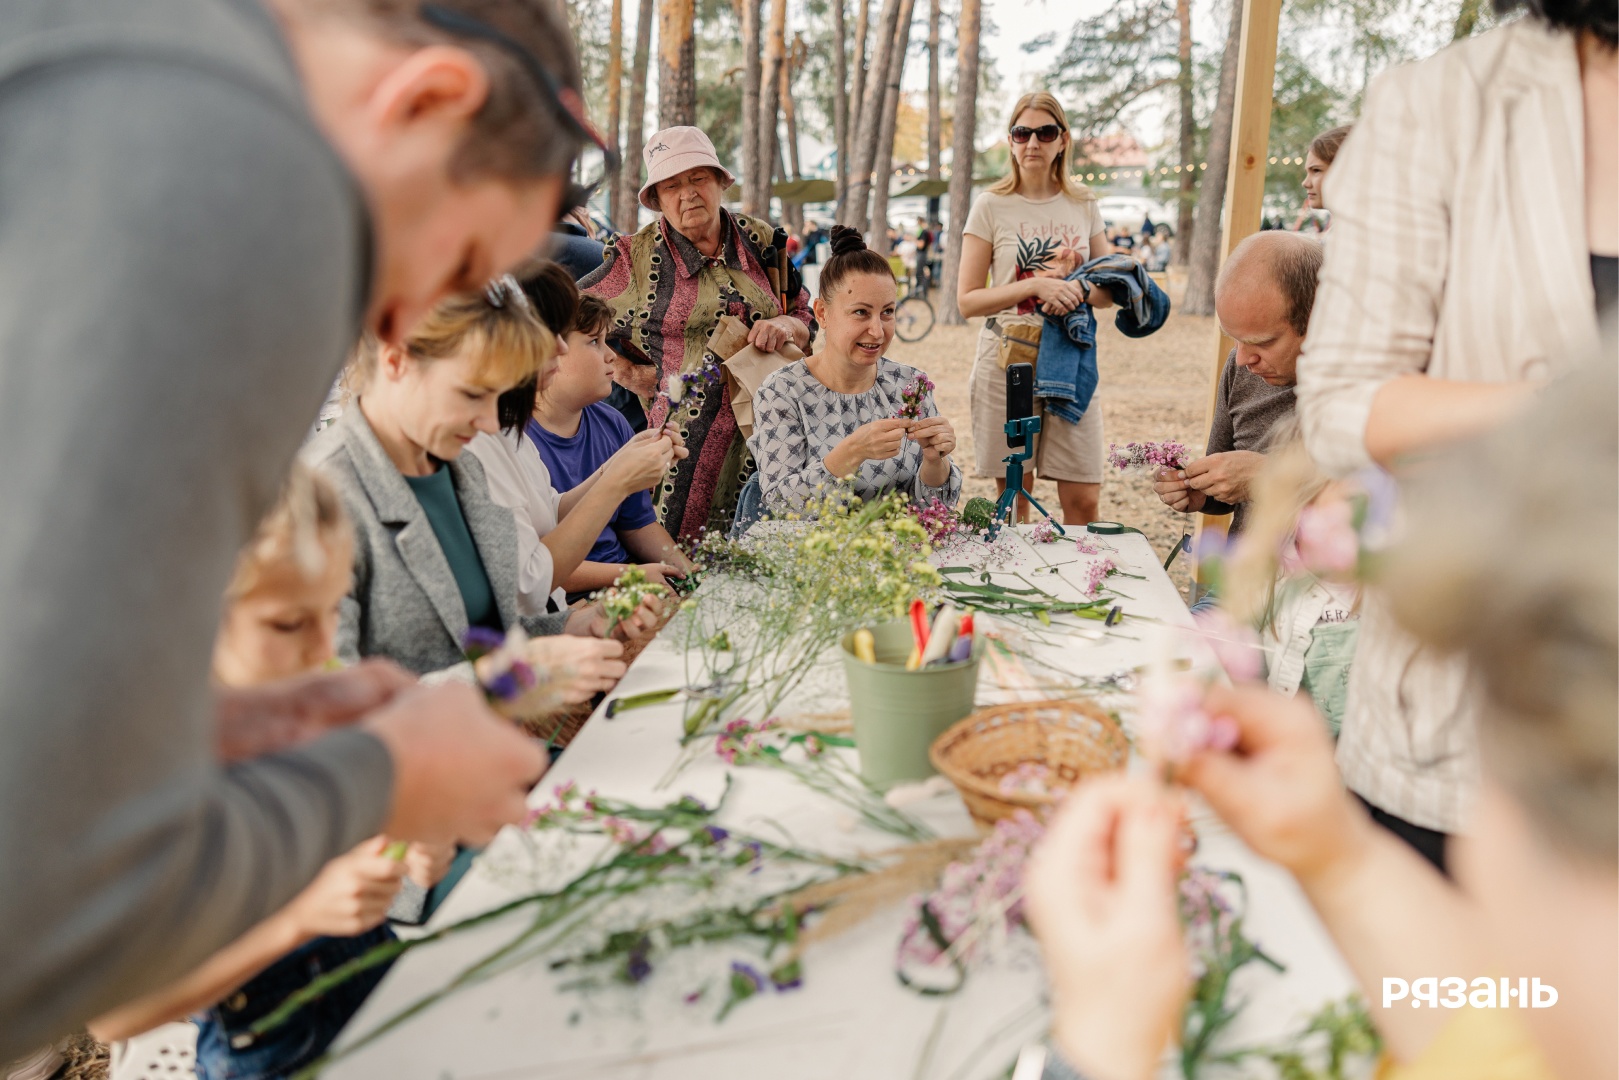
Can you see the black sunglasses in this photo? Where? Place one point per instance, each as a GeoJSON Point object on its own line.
{"type": "Point", "coordinates": [1045, 133]}
{"type": "Point", "coordinates": [565, 101]}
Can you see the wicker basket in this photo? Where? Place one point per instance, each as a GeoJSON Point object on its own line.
{"type": "Point", "coordinates": [1072, 739]}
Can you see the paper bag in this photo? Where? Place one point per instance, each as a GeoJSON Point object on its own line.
{"type": "Point", "coordinates": [729, 337]}
{"type": "Point", "coordinates": [746, 367]}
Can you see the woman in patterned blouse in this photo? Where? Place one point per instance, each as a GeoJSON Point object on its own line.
{"type": "Point", "coordinates": [840, 414]}
{"type": "Point", "coordinates": [668, 286]}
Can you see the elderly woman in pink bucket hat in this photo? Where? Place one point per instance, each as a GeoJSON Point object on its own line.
{"type": "Point", "coordinates": [668, 285]}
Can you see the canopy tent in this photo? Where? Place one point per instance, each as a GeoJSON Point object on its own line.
{"type": "Point", "coordinates": [805, 191]}
{"type": "Point", "coordinates": [938, 189]}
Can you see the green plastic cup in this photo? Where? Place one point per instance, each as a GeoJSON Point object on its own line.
{"type": "Point", "coordinates": [897, 713]}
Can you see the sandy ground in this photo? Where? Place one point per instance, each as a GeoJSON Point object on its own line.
{"type": "Point", "coordinates": [1151, 388]}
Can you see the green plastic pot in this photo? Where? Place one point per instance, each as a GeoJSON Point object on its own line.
{"type": "Point", "coordinates": [897, 713]}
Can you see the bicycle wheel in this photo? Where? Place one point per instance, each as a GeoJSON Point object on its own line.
{"type": "Point", "coordinates": [913, 319]}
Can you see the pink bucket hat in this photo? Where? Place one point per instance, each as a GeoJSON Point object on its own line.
{"type": "Point", "coordinates": [671, 152]}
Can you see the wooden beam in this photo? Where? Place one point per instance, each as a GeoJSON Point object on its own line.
{"type": "Point", "coordinates": [1245, 176]}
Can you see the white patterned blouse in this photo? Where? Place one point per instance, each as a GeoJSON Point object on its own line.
{"type": "Point", "coordinates": [798, 420]}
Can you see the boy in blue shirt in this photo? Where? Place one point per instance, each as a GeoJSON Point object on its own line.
{"type": "Point", "coordinates": [576, 431]}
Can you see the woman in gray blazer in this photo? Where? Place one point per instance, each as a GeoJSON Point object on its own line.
{"type": "Point", "coordinates": [433, 554]}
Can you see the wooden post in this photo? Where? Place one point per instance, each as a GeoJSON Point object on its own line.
{"type": "Point", "coordinates": [1245, 176]}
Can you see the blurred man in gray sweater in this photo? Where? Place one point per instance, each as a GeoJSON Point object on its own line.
{"type": "Point", "coordinates": [204, 202]}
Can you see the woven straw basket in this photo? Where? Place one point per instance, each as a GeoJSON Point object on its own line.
{"type": "Point", "coordinates": [1072, 739]}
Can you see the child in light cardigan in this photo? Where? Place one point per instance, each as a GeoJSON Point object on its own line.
{"type": "Point", "coordinates": [279, 621]}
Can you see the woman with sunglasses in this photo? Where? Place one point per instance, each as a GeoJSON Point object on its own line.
{"type": "Point", "coordinates": [1025, 236]}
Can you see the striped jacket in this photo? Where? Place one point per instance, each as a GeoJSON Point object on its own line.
{"type": "Point", "coordinates": [670, 297]}
{"type": "Point", "coordinates": [1458, 249]}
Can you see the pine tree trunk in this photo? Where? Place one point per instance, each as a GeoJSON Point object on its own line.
{"type": "Point", "coordinates": [861, 61]}
{"type": "Point", "coordinates": [615, 98]}
{"type": "Point", "coordinates": [755, 173]}
{"type": "Point", "coordinates": [635, 123]}
{"type": "Point", "coordinates": [965, 121]}
{"type": "Point", "coordinates": [935, 118]}
{"type": "Point", "coordinates": [857, 94]}
{"type": "Point", "coordinates": [857, 210]}
{"type": "Point", "coordinates": [840, 99]}
{"type": "Point", "coordinates": [883, 164]}
{"type": "Point", "coordinates": [1205, 258]}
{"type": "Point", "coordinates": [1188, 149]}
{"type": "Point", "coordinates": [769, 113]}
{"type": "Point", "coordinates": [792, 214]}
{"type": "Point", "coordinates": [677, 63]}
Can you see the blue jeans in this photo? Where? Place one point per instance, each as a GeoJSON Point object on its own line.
{"type": "Point", "coordinates": [303, 1038]}
{"type": "Point", "coordinates": [750, 506]}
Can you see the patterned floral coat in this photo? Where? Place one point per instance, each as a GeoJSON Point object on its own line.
{"type": "Point", "coordinates": [671, 298]}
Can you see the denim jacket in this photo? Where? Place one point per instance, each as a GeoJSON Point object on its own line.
{"type": "Point", "coordinates": [1065, 371]}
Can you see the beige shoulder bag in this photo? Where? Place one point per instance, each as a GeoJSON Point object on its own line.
{"type": "Point", "coordinates": [1019, 342]}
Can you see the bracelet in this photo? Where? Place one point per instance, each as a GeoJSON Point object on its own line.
{"type": "Point", "coordinates": [1043, 1061]}
{"type": "Point", "coordinates": [1057, 1067]}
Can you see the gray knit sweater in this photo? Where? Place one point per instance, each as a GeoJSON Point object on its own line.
{"type": "Point", "coordinates": [1245, 415]}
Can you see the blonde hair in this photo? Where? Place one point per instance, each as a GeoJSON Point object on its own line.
{"type": "Point", "coordinates": [1522, 585]}
{"type": "Point", "coordinates": [508, 342]}
{"type": "Point", "coordinates": [1012, 182]}
{"type": "Point", "coordinates": [303, 528]}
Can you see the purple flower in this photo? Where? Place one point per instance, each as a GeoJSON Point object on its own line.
{"type": "Point", "coordinates": [716, 835]}
{"type": "Point", "coordinates": [636, 965]}
{"type": "Point", "coordinates": [504, 687]}
{"type": "Point", "coordinates": [746, 975]}
{"type": "Point", "coordinates": [787, 976]}
{"type": "Point", "coordinates": [482, 639]}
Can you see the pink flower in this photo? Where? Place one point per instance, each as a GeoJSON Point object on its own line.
{"type": "Point", "coordinates": [1147, 457]}
{"type": "Point", "coordinates": [1044, 532]}
{"type": "Point", "coordinates": [1096, 573]}
{"type": "Point", "coordinates": [1171, 725]}
{"type": "Point", "coordinates": [1235, 645]}
{"type": "Point", "coordinates": [914, 394]}
{"type": "Point", "coordinates": [1326, 538]}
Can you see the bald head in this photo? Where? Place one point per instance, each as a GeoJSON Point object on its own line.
{"type": "Point", "coordinates": [1287, 262]}
{"type": "Point", "coordinates": [1263, 298]}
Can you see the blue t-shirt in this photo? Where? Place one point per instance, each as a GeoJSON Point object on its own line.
{"type": "Point", "coordinates": [602, 430]}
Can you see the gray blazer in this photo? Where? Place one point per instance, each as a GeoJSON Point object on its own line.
{"type": "Point", "coordinates": [404, 603]}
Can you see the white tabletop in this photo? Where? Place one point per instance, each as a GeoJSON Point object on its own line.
{"type": "Point", "coordinates": [851, 1019]}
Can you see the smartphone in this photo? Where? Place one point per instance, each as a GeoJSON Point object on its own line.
{"type": "Point", "coordinates": [1019, 397]}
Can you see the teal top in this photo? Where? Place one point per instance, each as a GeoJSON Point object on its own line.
{"type": "Point", "coordinates": [1326, 669]}
{"type": "Point", "coordinates": [436, 493]}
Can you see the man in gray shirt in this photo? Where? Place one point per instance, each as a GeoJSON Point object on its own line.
{"type": "Point", "coordinates": [1263, 299]}
{"type": "Point", "coordinates": [185, 258]}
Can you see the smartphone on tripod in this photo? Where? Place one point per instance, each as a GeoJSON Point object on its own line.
{"type": "Point", "coordinates": [1019, 398]}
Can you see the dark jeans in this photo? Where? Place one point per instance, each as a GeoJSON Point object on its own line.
{"type": "Point", "coordinates": [1428, 843]}
{"type": "Point", "coordinates": [225, 1050]}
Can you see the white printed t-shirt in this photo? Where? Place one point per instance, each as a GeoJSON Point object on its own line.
{"type": "Point", "coordinates": [1028, 237]}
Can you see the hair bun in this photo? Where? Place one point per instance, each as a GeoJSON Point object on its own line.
{"type": "Point", "coordinates": [847, 240]}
